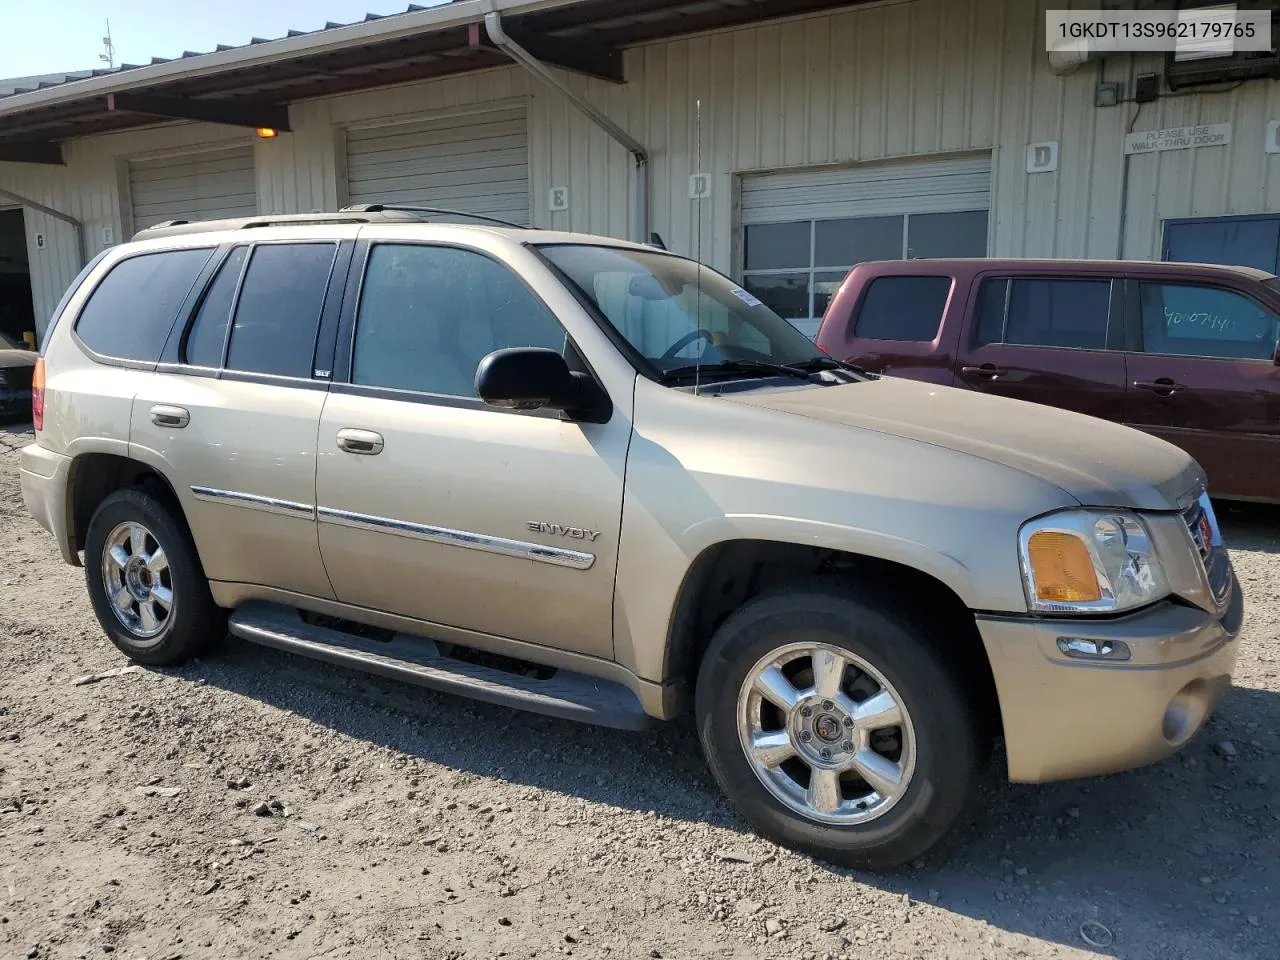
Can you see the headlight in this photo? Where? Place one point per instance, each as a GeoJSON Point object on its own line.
{"type": "Point", "coordinates": [1089, 561]}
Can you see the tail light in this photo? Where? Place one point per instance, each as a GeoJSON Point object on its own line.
{"type": "Point", "coordinates": [37, 395]}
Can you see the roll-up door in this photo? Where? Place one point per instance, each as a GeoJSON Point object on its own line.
{"type": "Point", "coordinates": [803, 230]}
{"type": "Point", "coordinates": [478, 163]}
{"type": "Point", "coordinates": [193, 186]}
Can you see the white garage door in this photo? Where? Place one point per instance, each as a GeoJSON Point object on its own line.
{"type": "Point", "coordinates": [477, 163]}
{"type": "Point", "coordinates": [803, 230]}
{"type": "Point", "coordinates": [193, 186]}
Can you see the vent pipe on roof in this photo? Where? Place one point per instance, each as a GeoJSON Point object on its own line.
{"type": "Point", "coordinates": [76, 225]}
{"type": "Point", "coordinates": [493, 26]}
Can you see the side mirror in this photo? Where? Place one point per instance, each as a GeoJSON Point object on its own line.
{"type": "Point", "coordinates": [528, 378]}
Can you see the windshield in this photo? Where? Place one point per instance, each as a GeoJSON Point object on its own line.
{"type": "Point", "coordinates": [677, 314]}
{"type": "Point", "coordinates": [8, 343]}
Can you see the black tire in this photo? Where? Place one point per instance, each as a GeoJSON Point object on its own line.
{"type": "Point", "coordinates": [906, 650]}
{"type": "Point", "coordinates": [193, 622]}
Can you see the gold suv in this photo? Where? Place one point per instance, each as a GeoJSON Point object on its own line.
{"type": "Point", "coordinates": [596, 480]}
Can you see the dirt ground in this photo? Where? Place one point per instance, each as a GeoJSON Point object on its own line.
{"type": "Point", "coordinates": [259, 805]}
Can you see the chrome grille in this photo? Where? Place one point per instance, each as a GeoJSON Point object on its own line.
{"type": "Point", "coordinates": [1202, 524]}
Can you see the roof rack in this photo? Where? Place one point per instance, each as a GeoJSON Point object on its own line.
{"type": "Point", "coordinates": [435, 211]}
{"type": "Point", "coordinates": [360, 213]}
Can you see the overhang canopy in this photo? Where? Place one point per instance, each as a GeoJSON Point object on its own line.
{"type": "Point", "coordinates": [252, 85]}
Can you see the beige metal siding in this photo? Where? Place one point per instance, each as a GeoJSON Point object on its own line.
{"type": "Point", "coordinates": [193, 186]}
{"type": "Point", "coordinates": [476, 162]}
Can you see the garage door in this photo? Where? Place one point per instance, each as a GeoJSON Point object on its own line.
{"type": "Point", "coordinates": [193, 186]}
{"type": "Point", "coordinates": [478, 163]}
{"type": "Point", "coordinates": [803, 230]}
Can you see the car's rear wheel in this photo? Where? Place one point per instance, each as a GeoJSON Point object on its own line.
{"type": "Point", "coordinates": [837, 726]}
{"type": "Point", "coordinates": [145, 580]}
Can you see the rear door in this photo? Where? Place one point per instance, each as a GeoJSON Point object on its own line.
{"type": "Point", "coordinates": [1049, 339]}
{"type": "Point", "coordinates": [1203, 376]}
{"type": "Point", "coordinates": [233, 412]}
{"type": "Point", "coordinates": [896, 328]}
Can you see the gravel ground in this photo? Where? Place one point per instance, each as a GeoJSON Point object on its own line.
{"type": "Point", "coordinates": [258, 805]}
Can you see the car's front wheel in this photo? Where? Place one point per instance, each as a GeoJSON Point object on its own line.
{"type": "Point", "coordinates": [837, 727]}
{"type": "Point", "coordinates": [145, 580]}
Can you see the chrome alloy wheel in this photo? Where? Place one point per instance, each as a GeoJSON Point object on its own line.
{"type": "Point", "coordinates": [136, 576]}
{"type": "Point", "coordinates": [826, 733]}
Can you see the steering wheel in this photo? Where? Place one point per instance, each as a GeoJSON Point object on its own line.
{"type": "Point", "coordinates": [687, 339]}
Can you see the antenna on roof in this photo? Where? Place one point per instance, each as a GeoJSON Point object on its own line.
{"type": "Point", "coordinates": [109, 58]}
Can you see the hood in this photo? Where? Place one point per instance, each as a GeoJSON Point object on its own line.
{"type": "Point", "coordinates": [1099, 463]}
{"type": "Point", "coordinates": [18, 358]}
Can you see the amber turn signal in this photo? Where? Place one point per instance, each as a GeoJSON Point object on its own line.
{"type": "Point", "coordinates": [266, 133]}
{"type": "Point", "coordinates": [1062, 568]}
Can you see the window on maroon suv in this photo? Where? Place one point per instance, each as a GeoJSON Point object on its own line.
{"type": "Point", "coordinates": [902, 308]}
{"type": "Point", "coordinates": [1197, 321]}
{"type": "Point", "coordinates": [131, 312]}
{"type": "Point", "coordinates": [1038, 312]}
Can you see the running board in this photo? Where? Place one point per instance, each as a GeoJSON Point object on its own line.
{"type": "Point", "coordinates": [417, 660]}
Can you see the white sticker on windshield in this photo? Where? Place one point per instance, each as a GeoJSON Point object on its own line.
{"type": "Point", "coordinates": [745, 297]}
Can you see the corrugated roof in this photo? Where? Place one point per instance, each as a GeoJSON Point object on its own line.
{"type": "Point", "coordinates": [253, 84]}
{"type": "Point", "coordinates": [18, 85]}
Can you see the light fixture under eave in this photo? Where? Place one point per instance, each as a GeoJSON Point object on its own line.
{"type": "Point", "coordinates": [267, 133]}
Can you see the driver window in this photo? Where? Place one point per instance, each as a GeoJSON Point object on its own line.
{"type": "Point", "coordinates": [428, 316]}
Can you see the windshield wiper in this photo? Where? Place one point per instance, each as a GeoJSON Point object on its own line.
{"type": "Point", "coordinates": [830, 363]}
{"type": "Point", "coordinates": [736, 366]}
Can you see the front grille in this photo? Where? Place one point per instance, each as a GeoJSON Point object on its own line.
{"type": "Point", "coordinates": [1203, 527]}
{"type": "Point", "coordinates": [1203, 539]}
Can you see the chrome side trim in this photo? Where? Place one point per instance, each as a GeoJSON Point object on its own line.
{"type": "Point", "coordinates": [523, 549]}
{"type": "Point", "coordinates": [253, 501]}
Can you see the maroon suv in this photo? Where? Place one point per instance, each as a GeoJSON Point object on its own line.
{"type": "Point", "coordinates": [1184, 351]}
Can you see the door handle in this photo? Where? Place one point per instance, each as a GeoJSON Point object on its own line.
{"type": "Point", "coordinates": [165, 415]}
{"type": "Point", "coordinates": [988, 371]}
{"type": "Point", "coordinates": [1163, 387]}
{"type": "Point", "coordinates": [363, 442]}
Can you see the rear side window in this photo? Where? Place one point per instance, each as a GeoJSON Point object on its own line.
{"type": "Point", "coordinates": [131, 312]}
{"type": "Point", "coordinates": [278, 313]}
{"type": "Point", "coordinates": [1044, 313]}
{"type": "Point", "coordinates": [1194, 321]}
{"type": "Point", "coordinates": [209, 332]}
{"type": "Point", "coordinates": [903, 308]}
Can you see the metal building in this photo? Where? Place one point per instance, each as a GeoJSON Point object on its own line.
{"type": "Point", "coordinates": [778, 140]}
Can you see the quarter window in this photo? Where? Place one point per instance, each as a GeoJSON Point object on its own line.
{"type": "Point", "coordinates": [797, 267]}
{"type": "Point", "coordinates": [1044, 313]}
{"type": "Point", "coordinates": [278, 312]}
{"type": "Point", "coordinates": [208, 334]}
{"type": "Point", "coordinates": [428, 315]}
{"type": "Point", "coordinates": [133, 309]}
{"type": "Point", "coordinates": [903, 308]}
{"type": "Point", "coordinates": [1196, 321]}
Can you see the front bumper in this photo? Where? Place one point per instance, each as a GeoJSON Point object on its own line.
{"type": "Point", "coordinates": [1067, 718]}
{"type": "Point", "coordinates": [44, 475]}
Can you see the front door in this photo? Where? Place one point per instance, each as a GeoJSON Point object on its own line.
{"type": "Point", "coordinates": [433, 505]}
{"type": "Point", "coordinates": [1205, 379]}
{"type": "Point", "coordinates": [1050, 340]}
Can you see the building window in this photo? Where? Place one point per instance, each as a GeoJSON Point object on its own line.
{"type": "Point", "coordinates": [797, 267]}
{"type": "Point", "coordinates": [1232, 241]}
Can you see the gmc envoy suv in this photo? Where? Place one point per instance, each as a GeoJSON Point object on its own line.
{"type": "Point", "coordinates": [596, 480]}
